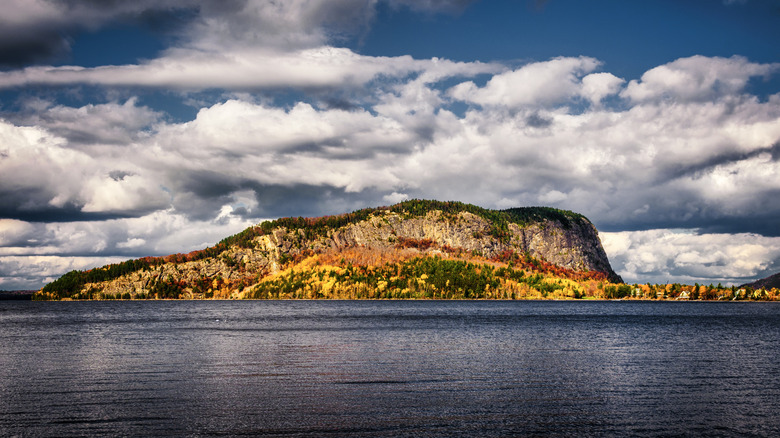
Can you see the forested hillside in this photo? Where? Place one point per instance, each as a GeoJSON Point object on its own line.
{"type": "Point", "coordinates": [415, 249]}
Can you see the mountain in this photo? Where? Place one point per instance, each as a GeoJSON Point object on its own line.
{"type": "Point", "coordinates": [414, 249]}
{"type": "Point", "coordinates": [773, 281]}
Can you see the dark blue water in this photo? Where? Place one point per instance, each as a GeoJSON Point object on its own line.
{"type": "Point", "coordinates": [383, 368]}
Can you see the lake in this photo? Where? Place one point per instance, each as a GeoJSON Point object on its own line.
{"type": "Point", "coordinates": [389, 368]}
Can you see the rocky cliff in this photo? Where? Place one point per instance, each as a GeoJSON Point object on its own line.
{"type": "Point", "coordinates": [561, 238]}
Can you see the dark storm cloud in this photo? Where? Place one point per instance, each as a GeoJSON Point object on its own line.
{"type": "Point", "coordinates": [201, 193]}
{"type": "Point", "coordinates": [20, 206]}
{"type": "Point", "coordinates": [206, 192]}
{"type": "Point", "coordinates": [310, 200]}
{"type": "Point", "coordinates": [704, 218]}
{"type": "Point", "coordinates": [32, 47]}
{"type": "Point", "coordinates": [729, 156]}
{"type": "Point", "coordinates": [119, 175]}
{"type": "Point", "coordinates": [338, 103]}
{"type": "Point", "coordinates": [208, 184]}
{"type": "Point", "coordinates": [39, 32]}
{"type": "Point", "coordinates": [535, 120]}
{"type": "Point", "coordinates": [765, 222]}
{"type": "Point", "coordinates": [32, 204]}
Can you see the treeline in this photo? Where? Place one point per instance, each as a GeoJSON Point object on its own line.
{"type": "Point", "coordinates": [529, 215]}
{"type": "Point", "coordinates": [500, 219]}
{"type": "Point", "coordinates": [698, 291]}
{"type": "Point", "coordinates": [520, 215]}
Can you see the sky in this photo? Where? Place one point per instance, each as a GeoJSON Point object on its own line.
{"type": "Point", "coordinates": [140, 128]}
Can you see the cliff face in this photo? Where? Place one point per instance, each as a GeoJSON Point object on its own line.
{"type": "Point", "coordinates": [571, 243]}
{"type": "Point", "coordinates": [576, 246]}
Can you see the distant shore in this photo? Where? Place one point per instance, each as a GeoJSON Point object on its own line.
{"type": "Point", "coordinates": [28, 297]}
{"type": "Point", "coordinates": [18, 295]}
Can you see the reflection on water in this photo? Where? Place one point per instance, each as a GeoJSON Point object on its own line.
{"type": "Point", "coordinates": [383, 368]}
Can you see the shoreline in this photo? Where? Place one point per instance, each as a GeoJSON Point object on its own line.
{"type": "Point", "coordinates": [643, 300]}
{"type": "Point", "coordinates": [16, 296]}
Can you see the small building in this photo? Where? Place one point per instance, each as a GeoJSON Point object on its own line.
{"type": "Point", "coordinates": [684, 295]}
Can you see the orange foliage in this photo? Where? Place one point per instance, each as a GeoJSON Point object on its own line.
{"type": "Point", "coordinates": [421, 244]}
{"type": "Point", "coordinates": [363, 256]}
{"type": "Point", "coordinates": [540, 265]}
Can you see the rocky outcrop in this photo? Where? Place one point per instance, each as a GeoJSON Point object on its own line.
{"type": "Point", "coordinates": [572, 243]}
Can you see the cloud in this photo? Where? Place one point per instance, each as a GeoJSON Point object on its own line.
{"type": "Point", "coordinates": [15, 232]}
{"type": "Point", "coordinates": [651, 163]}
{"type": "Point", "coordinates": [284, 26]}
{"type": "Point", "coordinates": [688, 256]}
{"type": "Point", "coordinates": [540, 84]}
{"type": "Point", "coordinates": [239, 145]}
{"type": "Point", "coordinates": [42, 176]}
{"type": "Point", "coordinates": [697, 78]}
{"type": "Point", "coordinates": [37, 31]}
{"type": "Point", "coordinates": [30, 272]}
{"type": "Point", "coordinates": [395, 198]}
{"type": "Point", "coordinates": [597, 86]}
{"type": "Point", "coordinates": [109, 123]}
{"type": "Point", "coordinates": [256, 35]}
{"type": "Point", "coordinates": [241, 69]}
{"type": "Point", "coordinates": [45, 251]}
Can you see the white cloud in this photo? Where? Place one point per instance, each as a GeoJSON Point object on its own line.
{"type": "Point", "coordinates": [50, 250]}
{"type": "Point", "coordinates": [606, 163]}
{"type": "Point", "coordinates": [597, 86]}
{"type": "Point", "coordinates": [14, 232]}
{"type": "Point", "coordinates": [687, 256]}
{"type": "Point", "coordinates": [536, 84]}
{"type": "Point", "coordinates": [242, 68]}
{"type": "Point", "coordinates": [134, 242]}
{"type": "Point", "coordinates": [40, 171]}
{"type": "Point", "coordinates": [353, 150]}
{"type": "Point", "coordinates": [108, 123]}
{"type": "Point", "coordinates": [131, 193]}
{"type": "Point", "coordinates": [30, 272]}
{"type": "Point", "coordinates": [696, 78]}
{"type": "Point", "coordinates": [35, 161]}
{"type": "Point", "coordinates": [395, 198]}
{"type": "Point", "coordinates": [242, 128]}
{"type": "Point", "coordinates": [553, 197]}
